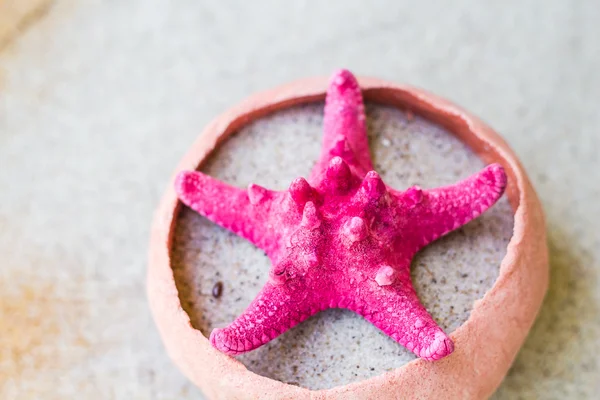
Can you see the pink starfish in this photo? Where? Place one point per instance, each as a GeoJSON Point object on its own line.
{"type": "Point", "coordinates": [342, 239]}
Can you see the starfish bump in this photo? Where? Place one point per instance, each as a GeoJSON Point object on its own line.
{"type": "Point", "coordinates": [342, 238]}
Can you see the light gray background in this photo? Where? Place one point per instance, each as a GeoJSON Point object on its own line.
{"type": "Point", "coordinates": [99, 99]}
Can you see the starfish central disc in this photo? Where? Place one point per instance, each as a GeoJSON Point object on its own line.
{"type": "Point", "coordinates": [342, 238]}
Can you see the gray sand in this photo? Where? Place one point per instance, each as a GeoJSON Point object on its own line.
{"type": "Point", "coordinates": [336, 347]}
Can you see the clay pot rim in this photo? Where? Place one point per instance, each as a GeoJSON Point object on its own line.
{"type": "Point", "coordinates": [487, 339]}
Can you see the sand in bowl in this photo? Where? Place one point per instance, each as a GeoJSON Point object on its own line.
{"type": "Point", "coordinates": [336, 347]}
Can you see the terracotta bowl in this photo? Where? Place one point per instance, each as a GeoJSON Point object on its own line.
{"type": "Point", "coordinates": [485, 345]}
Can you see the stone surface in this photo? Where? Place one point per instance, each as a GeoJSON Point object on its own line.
{"type": "Point", "coordinates": [17, 15]}
{"type": "Point", "coordinates": [98, 101]}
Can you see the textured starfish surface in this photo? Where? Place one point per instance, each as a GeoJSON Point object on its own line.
{"type": "Point", "coordinates": [342, 238]}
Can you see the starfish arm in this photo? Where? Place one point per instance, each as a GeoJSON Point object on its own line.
{"type": "Point", "coordinates": [244, 212]}
{"type": "Point", "coordinates": [345, 131]}
{"type": "Point", "coordinates": [394, 308]}
{"type": "Point", "coordinates": [276, 309]}
{"type": "Point", "coordinates": [439, 211]}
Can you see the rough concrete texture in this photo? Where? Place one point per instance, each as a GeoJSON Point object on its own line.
{"type": "Point", "coordinates": [336, 347]}
{"type": "Point", "coordinates": [17, 15]}
{"type": "Point", "coordinates": [99, 99]}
